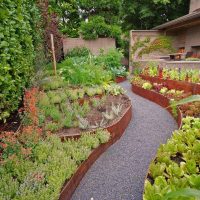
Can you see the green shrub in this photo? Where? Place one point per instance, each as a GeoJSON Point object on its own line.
{"type": "Point", "coordinates": [78, 52]}
{"type": "Point", "coordinates": [112, 62]}
{"type": "Point", "coordinates": [111, 59]}
{"type": "Point", "coordinates": [18, 35]}
{"type": "Point", "coordinates": [84, 72]}
{"type": "Point", "coordinates": [97, 27]}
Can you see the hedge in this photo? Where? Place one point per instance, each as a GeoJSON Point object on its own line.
{"type": "Point", "coordinates": [18, 36]}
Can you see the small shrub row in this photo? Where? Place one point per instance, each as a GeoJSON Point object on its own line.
{"type": "Point", "coordinates": [18, 38]}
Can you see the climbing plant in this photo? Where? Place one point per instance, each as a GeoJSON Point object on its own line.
{"type": "Point", "coordinates": [161, 43]}
{"type": "Point", "coordinates": [18, 39]}
{"type": "Point", "coordinates": [147, 46]}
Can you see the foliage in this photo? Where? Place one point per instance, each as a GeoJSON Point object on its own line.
{"type": "Point", "coordinates": [97, 28]}
{"type": "Point", "coordinates": [50, 26]}
{"type": "Point", "coordinates": [78, 52]}
{"type": "Point", "coordinates": [111, 61]}
{"type": "Point", "coordinates": [41, 172]}
{"type": "Point", "coordinates": [113, 89]}
{"type": "Point", "coordinates": [161, 43]}
{"type": "Point", "coordinates": [190, 75]}
{"type": "Point", "coordinates": [139, 44]}
{"type": "Point", "coordinates": [175, 166]}
{"type": "Point", "coordinates": [83, 72]}
{"type": "Point", "coordinates": [192, 59]}
{"type": "Point", "coordinates": [146, 14]}
{"type": "Point", "coordinates": [189, 99]}
{"type": "Point", "coordinates": [183, 193]}
{"type": "Point", "coordinates": [73, 12]}
{"type": "Point", "coordinates": [18, 39]}
{"type": "Point", "coordinates": [137, 80]}
{"type": "Point", "coordinates": [147, 86]}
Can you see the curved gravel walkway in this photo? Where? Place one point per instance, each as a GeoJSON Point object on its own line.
{"type": "Point", "coordinates": [119, 173]}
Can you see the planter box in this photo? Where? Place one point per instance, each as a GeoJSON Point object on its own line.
{"type": "Point", "coordinates": [117, 129]}
{"type": "Point", "coordinates": [160, 100]}
{"type": "Point", "coordinates": [120, 79]}
{"type": "Point", "coordinates": [194, 88]}
{"type": "Point", "coordinates": [157, 98]}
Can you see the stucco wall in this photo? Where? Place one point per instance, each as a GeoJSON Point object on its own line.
{"type": "Point", "coordinates": [192, 37]}
{"type": "Point", "coordinates": [93, 45]}
{"type": "Point", "coordinates": [179, 38]}
{"type": "Point", "coordinates": [194, 4]}
{"type": "Point", "coordinates": [142, 34]}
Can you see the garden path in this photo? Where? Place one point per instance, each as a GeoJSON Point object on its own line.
{"type": "Point", "coordinates": [119, 173]}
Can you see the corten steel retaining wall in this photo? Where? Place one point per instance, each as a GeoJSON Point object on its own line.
{"type": "Point", "coordinates": [173, 84]}
{"type": "Point", "coordinates": [93, 45]}
{"type": "Point", "coordinates": [116, 130]}
{"type": "Point", "coordinates": [158, 99]}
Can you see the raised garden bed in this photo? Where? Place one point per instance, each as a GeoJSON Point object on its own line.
{"type": "Point", "coordinates": [194, 88]}
{"type": "Point", "coordinates": [116, 130]}
{"type": "Point", "coordinates": [120, 79]}
{"type": "Point", "coordinates": [159, 170]}
{"type": "Point", "coordinates": [175, 163]}
{"type": "Point", "coordinates": [95, 115]}
{"type": "Point", "coordinates": [157, 98]}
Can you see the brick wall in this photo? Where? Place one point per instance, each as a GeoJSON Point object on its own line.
{"type": "Point", "coordinates": [93, 45]}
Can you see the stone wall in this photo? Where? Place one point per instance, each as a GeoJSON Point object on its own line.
{"type": "Point", "coordinates": [93, 45]}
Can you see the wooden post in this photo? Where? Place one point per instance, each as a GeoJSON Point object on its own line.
{"type": "Point", "coordinates": [53, 54]}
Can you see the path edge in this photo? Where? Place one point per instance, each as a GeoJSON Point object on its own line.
{"type": "Point", "coordinates": [116, 130]}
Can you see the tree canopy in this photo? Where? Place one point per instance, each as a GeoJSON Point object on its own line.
{"type": "Point", "coordinates": [126, 14]}
{"type": "Point", "coordinates": [146, 14]}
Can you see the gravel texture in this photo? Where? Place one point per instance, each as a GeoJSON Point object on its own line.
{"type": "Point", "coordinates": [119, 173]}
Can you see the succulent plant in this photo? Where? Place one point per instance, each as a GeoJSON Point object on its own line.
{"type": "Point", "coordinates": [108, 115]}
{"type": "Point", "coordinates": [83, 123]}
{"type": "Point", "coordinates": [116, 109]}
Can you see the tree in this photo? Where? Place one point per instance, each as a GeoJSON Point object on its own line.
{"type": "Point", "coordinates": [73, 12]}
{"type": "Point", "coordinates": [146, 14]}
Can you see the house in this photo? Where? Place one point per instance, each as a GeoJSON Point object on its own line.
{"type": "Point", "coordinates": [184, 31]}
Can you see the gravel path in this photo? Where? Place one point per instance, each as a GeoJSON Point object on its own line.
{"type": "Point", "coordinates": [119, 173]}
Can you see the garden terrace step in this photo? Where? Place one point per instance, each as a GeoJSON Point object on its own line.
{"type": "Point", "coordinates": [158, 99]}
{"type": "Point", "coordinates": [116, 130]}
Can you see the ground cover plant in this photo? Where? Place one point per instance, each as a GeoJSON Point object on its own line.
{"type": "Point", "coordinates": [36, 167]}
{"type": "Point", "coordinates": [67, 109]}
{"type": "Point", "coordinates": [177, 164]}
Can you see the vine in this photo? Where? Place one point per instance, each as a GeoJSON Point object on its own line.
{"type": "Point", "coordinates": [162, 43]}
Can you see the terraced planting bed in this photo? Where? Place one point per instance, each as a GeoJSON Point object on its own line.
{"type": "Point", "coordinates": [175, 167]}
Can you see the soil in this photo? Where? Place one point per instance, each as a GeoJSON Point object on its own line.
{"type": "Point", "coordinates": [178, 158]}
{"type": "Point", "coordinates": [12, 123]}
{"type": "Point", "coordinates": [95, 115]}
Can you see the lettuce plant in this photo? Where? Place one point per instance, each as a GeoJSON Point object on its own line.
{"type": "Point", "coordinates": [177, 164]}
